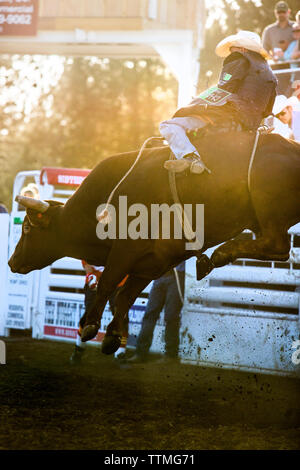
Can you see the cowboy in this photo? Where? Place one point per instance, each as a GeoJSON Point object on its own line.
{"type": "Point", "coordinates": [244, 95]}
{"type": "Point", "coordinates": [286, 113]}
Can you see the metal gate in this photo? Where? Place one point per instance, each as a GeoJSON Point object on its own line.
{"type": "Point", "coordinates": [245, 315]}
{"type": "Point", "coordinates": [4, 224]}
{"type": "Point", "coordinates": [21, 290]}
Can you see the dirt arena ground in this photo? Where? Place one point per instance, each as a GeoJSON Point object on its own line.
{"type": "Point", "coordinates": [47, 404]}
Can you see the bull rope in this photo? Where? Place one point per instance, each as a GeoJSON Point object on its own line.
{"type": "Point", "coordinates": [178, 285]}
{"type": "Point", "coordinates": [181, 215]}
{"type": "Point", "coordinates": [104, 216]}
{"type": "Point", "coordinates": [252, 156]}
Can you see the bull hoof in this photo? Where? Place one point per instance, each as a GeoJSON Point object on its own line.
{"type": "Point", "coordinates": [111, 344]}
{"type": "Point", "coordinates": [203, 267]}
{"type": "Point", "coordinates": [89, 332]}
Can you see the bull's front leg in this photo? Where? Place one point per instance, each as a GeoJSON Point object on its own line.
{"type": "Point", "coordinates": [115, 271]}
{"type": "Point", "coordinates": [90, 322]}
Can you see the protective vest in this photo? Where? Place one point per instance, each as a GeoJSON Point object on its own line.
{"type": "Point", "coordinates": [252, 87]}
{"type": "Point", "coordinates": [254, 98]}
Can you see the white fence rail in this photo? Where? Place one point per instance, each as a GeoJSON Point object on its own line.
{"type": "Point", "coordinates": [244, 296]}
{"type": "Point", "coordinates": [244, 316]}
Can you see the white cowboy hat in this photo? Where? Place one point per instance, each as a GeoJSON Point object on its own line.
{"type": "Point", "coordinates": [246, 39]}
{"type": "Point", "coordinates": [281, 102]}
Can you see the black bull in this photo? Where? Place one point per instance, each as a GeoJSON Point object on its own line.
{"type": "Point", "coordinates": [269, 209]}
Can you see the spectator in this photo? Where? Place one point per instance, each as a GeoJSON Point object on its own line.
{"type": "Point", "coordinates": [34, 188]}
{"type": "Point", "coordinates": [27, 192]}
{"type": "Point", "coordinates": [281, 30]}
{"type": "Point", "coordinates": [283, 44]}
{"type": "Point", "coordinates": [3, 209]}
{"type": "Point", "coordinates": [293, 52]}
{"type": "Point", "coordinates": [31, 190]}
{"type": "Point", "coordinates": [296, 87]}
{"type": "Point", "coordinates": [286, 122]}
{"type": "Point", "coordinates": [167, 294]}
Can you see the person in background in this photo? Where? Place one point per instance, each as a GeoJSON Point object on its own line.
{"type": "Point", "coordinates": [93, 274]}
{"type": "Point", "coordinates": [286, 121]}
{"type": "Point", "coordinates": [272, 37]}
{"type": "Point", "coordinates": [296, 88]}
{"type": "Point", "coordinates": [167, 292]}
{"type": "Point", "coordinates": [292, 52]}
{"type": "Point", "coordinates": [31, 190]}
{"type": "Point", "coordinates": [3, 209]}
{"type": "Point", "coordinates": [281, 30]}
{"type": "Point", "coordinates": [283, 44]}
{"type": "Point", "coordinates": [27, 192]}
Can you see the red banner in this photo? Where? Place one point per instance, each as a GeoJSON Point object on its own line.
{"type": "Point", "coordinates": [70, 333]}
{"type": "Point", "coordinates": [64, 176]}
{"type": "Point", "coordinates": [18, 17]}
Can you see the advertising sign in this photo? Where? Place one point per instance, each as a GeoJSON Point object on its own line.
{"type": "Point", "coordinates": [19, 287]}
{"type": "Point", "coordinates": [18, 17]}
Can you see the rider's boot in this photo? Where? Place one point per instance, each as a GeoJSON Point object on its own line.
{"type": "Point", "coordinates": [191, 161]}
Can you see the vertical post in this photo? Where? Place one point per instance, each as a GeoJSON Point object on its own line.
{"type": "Point", "coordinates": [181, 58]}
{"type": "Point", "coordinates": [4, 225]}
{"type": "Point", "coordinates": [152, 9]}
{"type": "Point", "coordinates": [38, 317]}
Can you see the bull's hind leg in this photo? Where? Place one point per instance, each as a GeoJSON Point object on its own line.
{"type": "Point", "coordinates": [268, 246]}
{"type": "Point", "coordinates": [124, 299]}
{"type": "Point", "coordinates": [275, 201]}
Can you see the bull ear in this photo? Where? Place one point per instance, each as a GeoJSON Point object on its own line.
{"type": "Point", "coordinates": [38, 218]}
{"type": "Point", "coordinates": [42, 219]}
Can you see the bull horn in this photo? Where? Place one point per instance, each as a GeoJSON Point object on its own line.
{"type": "Point", "coordinates": [31, 203]}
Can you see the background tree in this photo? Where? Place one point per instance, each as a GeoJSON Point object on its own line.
{"type": "Point", "coordinates": [90, 109]}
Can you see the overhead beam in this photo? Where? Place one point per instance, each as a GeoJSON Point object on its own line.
{"type": "Point", "coordinates": [175, 47]}
{"type": "Point", "coordinates": [165, 36]}
{"type": "Point", "coordinates": [114, 51]}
